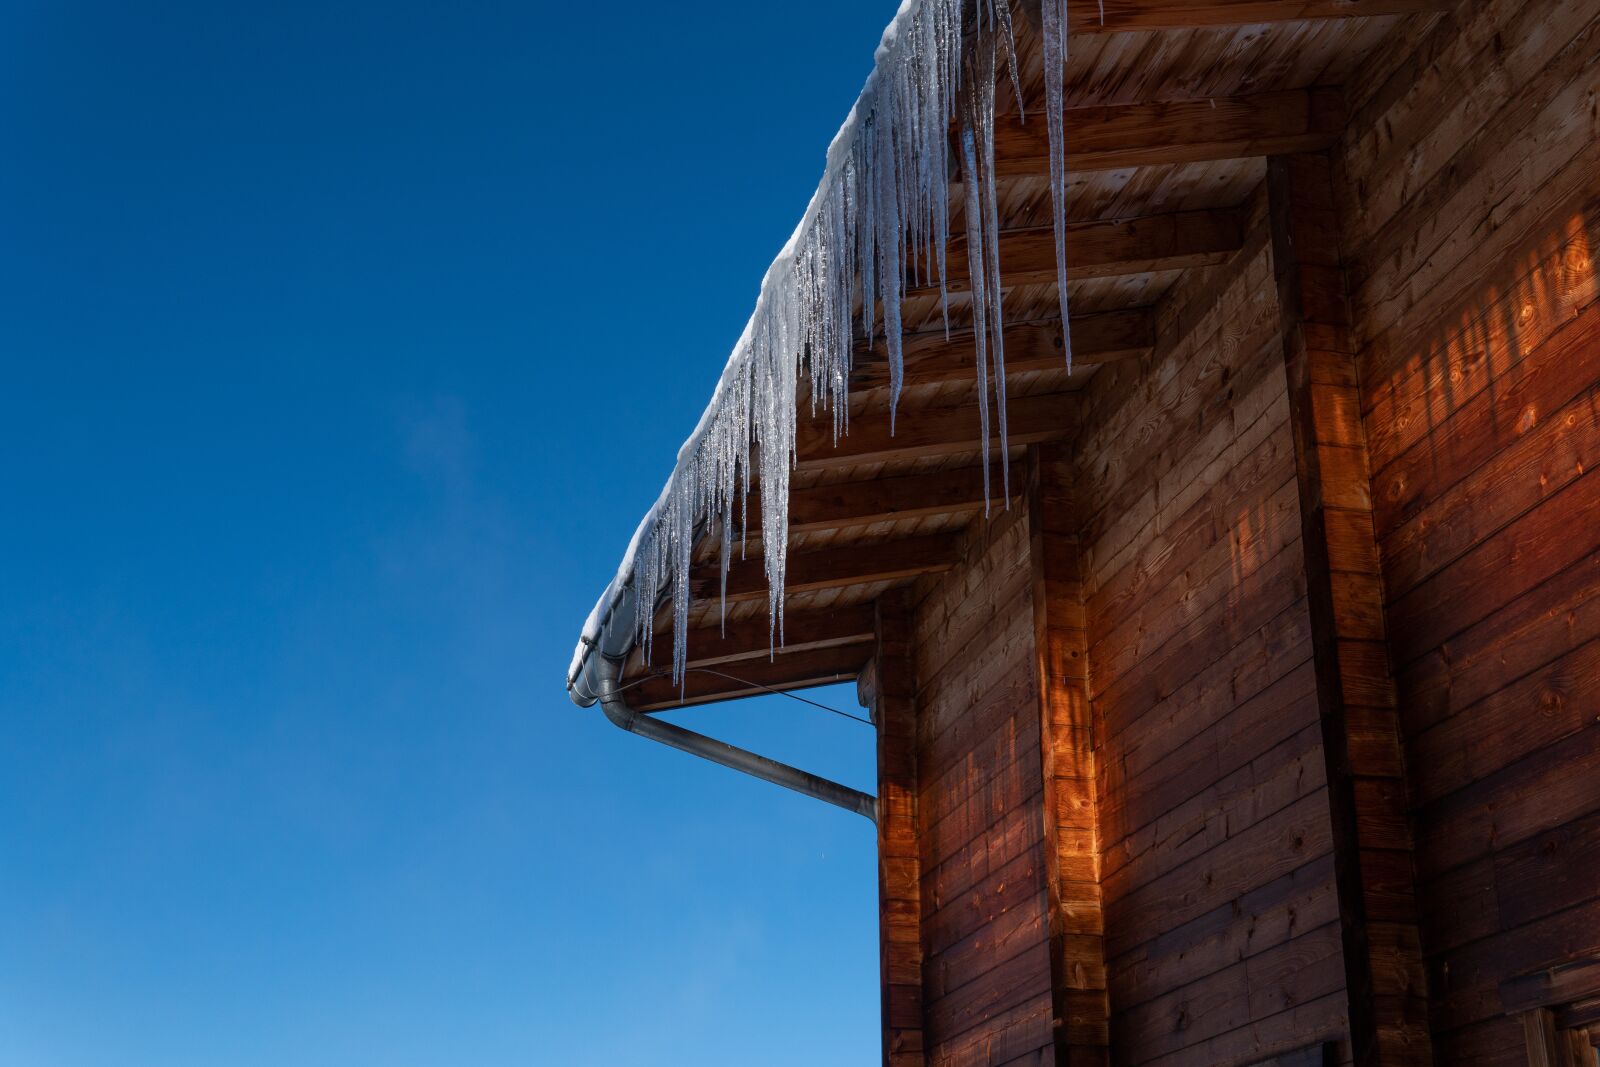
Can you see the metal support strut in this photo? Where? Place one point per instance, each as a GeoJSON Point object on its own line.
{"type": "Point", "coordinates": [636, 722]}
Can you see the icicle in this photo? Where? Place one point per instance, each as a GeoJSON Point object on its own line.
{"type": "Point", "coordinates": [975, 269]}
{"type": "Point", "coordinates": [991, 243]}
{"type": "Point", "coordinates": [1008, 43]}
{"type": "Point", "coordinates": [1054, 23]}
{"type": "Point", "coordinates": [879, 215]}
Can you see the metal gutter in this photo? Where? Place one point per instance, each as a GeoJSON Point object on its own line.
{"type": "Point", "coordinates": [599, 681]}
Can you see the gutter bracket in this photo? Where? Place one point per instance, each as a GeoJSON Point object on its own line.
{"type": "Point", "coordinates": [709, 748]}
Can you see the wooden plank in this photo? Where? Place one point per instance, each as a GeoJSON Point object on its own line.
{"type": "Point", "coordinates": [1544, 1044]}
{"type": "Point", "coordinates": [1366, 789]}
{"type": "Point", "coordinates": [840, 505]}
{"type": "Point", "coordinates": [786, 670]}
{"type": "Point", "coordinates": [1115, 136]}
{"type": "Point", "coordinates": [750, 638]}
{"type": "Point", "coordinates": [1124, 15]}
{"type": "Point", "coordinates": [1553, 986]}
{"type": "Point", "coordinates": [1075, 921]}
{"type": "Point", "coordinates": [1104, 249]}
{"type": "Point", "coordinates": [934, 432]}
{"type": "Point", "coordinates": [1102, 337]}
{"type": "Point", "coordinates": [831, 568]}
{"type": "Point", "coordinates": [900, 940]}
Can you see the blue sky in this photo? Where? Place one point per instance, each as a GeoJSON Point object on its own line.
{"type": "Point", "coordinates": [343, 345]}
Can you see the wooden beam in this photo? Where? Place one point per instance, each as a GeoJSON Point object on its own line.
{"type": "Point", "coordinates": [832, 568]}
{"type": "Point", "coordinates": [748, 638]}
{"type": "Point", "coordinates": [1125, 15]}
{"type": "Point", "coordinates": [1574, 980]}
{"type": "Point", "coordinates": [845, 504]}
{"type": "Point", "coordinates": [1081, 1005]}
{"type": "Point", "coordinates": [1104, 249]}
{"type": "Point", "coordinates": [894, 714]}
{"type": "Point", "coordinates": [1373, 862]}
{"type": "Point", "coordinates": [935, 432]}
{"type": "Point", "coordinates": [787, 670]}
{"type": "Point", "coordinates": [1103, 337]}
{"type": "Point", "coordinates": [1114, 136]}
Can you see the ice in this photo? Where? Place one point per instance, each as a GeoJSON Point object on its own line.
{"type": "Point", "coordinates": [879, 213]}
{"type": "Point", "coordinates": [1053, 25]}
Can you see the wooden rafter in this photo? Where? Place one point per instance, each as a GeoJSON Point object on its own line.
{"type": "Point", "coordinates": [845, 504]}
{"type": "Point", "coordinates": [787, 670]}
{"type": "Point", "coordinates": [1104, 337]}
{"type": "Point", "coordinates": [935, 432]}
{"type": "Point", "coordinates": [749, 638]}
{"type": "Point", "coordinates": [1111, 137]}
{"type": "Point", "coordinates": [1123, 15]}
{"type": "Point", "coordinates": [831, 568]}
{"type": "Point", "coordinates": [1105, 249]}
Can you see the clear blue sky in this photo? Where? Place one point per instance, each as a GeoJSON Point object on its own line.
{"type": "Point", "coordinates": [343, 345]}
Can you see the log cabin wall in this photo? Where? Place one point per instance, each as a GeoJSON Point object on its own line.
{"type": "Point", "coordinates": [1471, 211]}
{"type": "Point", "coordinates": [987, 992]}
{"type": "Point", "coordinates": [1222, 936]}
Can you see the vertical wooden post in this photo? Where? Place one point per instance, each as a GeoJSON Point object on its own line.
{"type": "Point", "coordinates": [1355, 689]}
{"type": "Point", "coordinates": [1081, 1012]}
{"type": "Point", "coordinates": [893, 699]}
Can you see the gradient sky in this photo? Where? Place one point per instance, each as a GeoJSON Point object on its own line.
{"type": "Point", "coordinates": [343, 345]}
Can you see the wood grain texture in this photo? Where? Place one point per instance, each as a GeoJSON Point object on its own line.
{"type": "Point", "coordinates": [655, 690]}
{"type": "Point", "coordinates": [1122, 15]}
{"type": "Point", "coordinates": [933, 432]}
{"type": "Point", "coordinates": [1075, 912]}
{"type": "Point", "coordinates": [1105, 248]}
{"type": "Point", "coordinates": [932, 357]}
{"type": "Point", "coordinates": [1113, 136]}
{"type": "Point", "coordinates": [894, 715]}
{"type": "Point", "coordinates": [1473, 180]}
{"type": "Point", "coordinates": [829, 568]}
{"type": "Point", "coordinates": [1381, 944]}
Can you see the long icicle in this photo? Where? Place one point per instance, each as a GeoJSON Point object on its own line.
{"type": "Point", "coordinates": [1053, 20]}
{"type": "Point", "coordinates": [881, 205]}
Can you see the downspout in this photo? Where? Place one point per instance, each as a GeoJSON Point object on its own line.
{"type": "Point", "coordinates": [598, 682]}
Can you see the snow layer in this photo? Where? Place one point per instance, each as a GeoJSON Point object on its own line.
{"type": "Point", "coordinates": [881, 206]}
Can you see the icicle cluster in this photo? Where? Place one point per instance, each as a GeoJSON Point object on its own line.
{"type": "Point", "coordinates": [880, 211]}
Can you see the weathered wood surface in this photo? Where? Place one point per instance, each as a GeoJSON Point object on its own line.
{"type": "Point", "coordinates": [787, 670]}
{"type": "Point", "coordinates": [933, 357]}
{"type": "Point", "coordinates": [932, 432]}
{"type": "Point", "coordinates": [1221, 914]}
{"type": "Point", "coordinates": [1075, 912]}
{"type": "Point", "coordinates": [1473, 179]}
{"type": "Point", "coordinates": [1116, 16]}
{"type": "Point", "coordinates": [841, 505]}
{"type": "Point", "coordinates": [1381, 945]}
{"type": "Point", "coordinates": [985, 925]}
{"type": "Point", "coordinates": [829, 568]}
{"type": "Point", "coordinates": [894, 714]}
{"type": "Point", "coordinates": [1113, 136]}
{"type": "Point", "coordinates": [752, 638]}
{"type": "Point", "coordinates": [1104, 248]}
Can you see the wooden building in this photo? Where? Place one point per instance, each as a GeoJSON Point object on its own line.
{"type": "Point", "coordinates": [1262, 723]}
